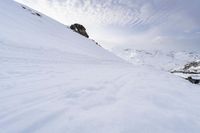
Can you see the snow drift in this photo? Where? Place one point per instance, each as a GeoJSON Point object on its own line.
{"type": "Point", "coordinates": [54, 80]}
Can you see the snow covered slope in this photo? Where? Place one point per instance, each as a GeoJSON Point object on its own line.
{"type": "Point", "coordinates": [53, 80]}
{"type": "Point", "coordinates": [169, 61]}
{"type": "Point", "coordinates": [160, 59]}
{"type": "Point", "coordinates": [20, 29]}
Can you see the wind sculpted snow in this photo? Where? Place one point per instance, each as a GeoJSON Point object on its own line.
{"type": "Point", "coordinates": [54, 80]}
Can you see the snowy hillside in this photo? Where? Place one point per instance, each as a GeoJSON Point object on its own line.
{"type": "Point", "coordinates": [183, 64]}
{"type": "Point", "coordinates": [23, 29]}
{"type": "Point", "coordinates": [163, 60]}
{"type": "Point", "coordinates": [53, 80]}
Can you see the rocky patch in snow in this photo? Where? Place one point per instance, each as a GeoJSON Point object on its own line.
{"type": "Point", "coordinates": [194, 81]}
{"type": "Point", "coordinates": [189, 68]}
{"type": "Point", "coordinates": [32, 12]}
{"type": "Point", "coordinates": [79, 29]}
{"type": "Point", "coordinates": [190, 71]}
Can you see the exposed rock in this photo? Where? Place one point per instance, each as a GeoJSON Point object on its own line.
{"type": "Point", "coordinates": [23, 7]}
{"type": "Point", "coordinates": [96, 42]}
{"type": "Point", "coordinates": [184, 72]}
{"type": "Point", "coordinates": [190, 72]}
{"type": "Point", "coordinates": [194, 81]}
{"type": "Point", "coordinates": [192, 65]}
{"type": "Point", "coordinates": [79, 29]}
{"type": "Point", "coordinates": [38, 14]}
{"type": "Point", "coordinates": [190, 68]}
{"type": "Point", "coordinates": [32, 12]}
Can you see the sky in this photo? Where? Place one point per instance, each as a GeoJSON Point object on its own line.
{"type": "Point", "coordinates": [141, 24]}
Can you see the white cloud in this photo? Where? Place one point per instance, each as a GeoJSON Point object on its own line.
{"type": "Point", "coordinates": [122, 22]}
{"type": "Point", "coordinates": [83, 11]}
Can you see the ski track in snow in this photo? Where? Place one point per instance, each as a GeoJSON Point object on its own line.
{"type": "Point", "coordinates": [73, 95]}
{"type": "Point", "coordinates": [53, 80]}
{"type": "Point", "coordinates": [39, 87]}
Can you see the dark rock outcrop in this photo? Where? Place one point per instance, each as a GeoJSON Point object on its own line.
{"type": "Point", "coordinates": [192, 80]}
{"type": "Point", "coordinates": [82, 30]}
{"type": "Point", "coordinates": [191, 71]}
{"type": "Point", "coordinates": [192, 64]}
{"type": "Point", "coordinates": [32, 12]}
{"type": "Point", "coordinates": [190, 68]}
{"type": "Point", "coordinates": [79, 29]}
{"type": "Point", "coordinates": [96, 42]}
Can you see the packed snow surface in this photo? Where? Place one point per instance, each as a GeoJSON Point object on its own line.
{"type": "Point", "coordinates": [53, 80]}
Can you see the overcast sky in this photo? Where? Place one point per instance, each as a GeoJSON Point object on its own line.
{"type": "Point", "coordinates": [130, 23]}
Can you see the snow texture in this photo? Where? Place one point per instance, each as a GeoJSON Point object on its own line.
{"type": "Point", "coordinates": [53, 80]}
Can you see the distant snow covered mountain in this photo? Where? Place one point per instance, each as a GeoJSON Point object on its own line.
{"type": "Point", "coordinates": [170, 61]}
{"type": "Point", "coordinates": [163, 60]}
{"type": "Point", "coordinates": [53, 80]}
